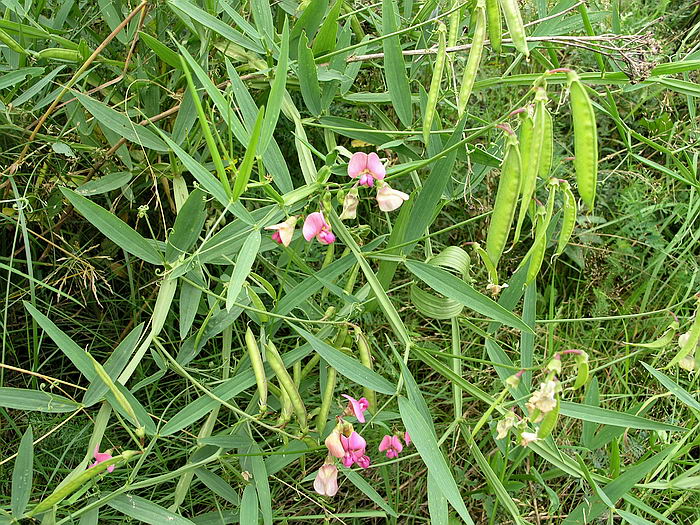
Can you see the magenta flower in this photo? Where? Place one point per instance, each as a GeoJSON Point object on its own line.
{"type": "Point", "coordinates": [334, 444]}
{"type": "Point", "coordinates": [407, 438]}
{"type": "Point", "coordinates": [392, 445]}
{"type": "Point", "coordinates": [354, 447]}
{"type": "Point", "coordinates": [390, 199]}
{"type": "Point", "coordinates": [367, 168]}
{"type": "Point", "coordinates": [326, 482]}
{"type": "Point", "coordinates": [102, 456]}
{"type": "Point", "coordinates": [357, 407]}
{"type": "Point", "coordinates": [315, 225]}
{"type": "Point", "coordinates": [284, 231]}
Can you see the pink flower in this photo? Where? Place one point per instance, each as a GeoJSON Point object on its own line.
{"type": "Point", "coordinates": [284, 231]}
{"type": "Point", "coordinates": [326, 482]}
{"type": "Point", "coordinates": [366, 167]}
{"type": "Point", "coordinates": [390, 199]}
{"type": "Point", "coordinates": [407, 438]}
{"type": "Point", "coordinates": [357, 407]}
{"type": "Point", "coordinates": [392, 445]}
{"type": "Point", "coordinates": [334, 444]}
{"type": "Point", "coordinates": [102, 456]}
{"type": "Point", "coordinates": [354, 447]}
{"type": "Point", "coordinates": [315, 225]}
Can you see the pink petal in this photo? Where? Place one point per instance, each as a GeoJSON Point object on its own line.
{"type": "Point", "coordinates": [277, 237]}
{"type": "Point", "coordinates": [385, 444]}
{"type": "Point", "coordinates": [356, 408]}
{"type": "Point", "coordinates": [313, 225]}
{"type": "Point", "coordinates": [326, 237]}
{"type": "Point", "coordinates": [375, 166]}
{"type": "Point", "coordinates": [396, 444]}
{"type": "Point", "coordinates": [335, 445]}
{"type": "Point", "coordinates": [357, 164]}
{"type": "Point", "coordinates": [407, 438]}
{"type": "Point", "coordinates": [356, 442]}
{"type": "Point", "coordinates": [363, 461]}
{"type": "Point", "coordinates": [364, 404]}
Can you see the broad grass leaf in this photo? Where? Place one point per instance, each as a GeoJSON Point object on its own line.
{"type": "Point", "coordinates": [613, 418]}
{"type": "Point", "coordinates": [633, 519]}
{"type": "Point", "coordinates": [104, 184]}
{"type": "Point", "coordinates": [163, 52]}
{"type": "Point", "coordinates": [22, 474]}
{"type": "Point", "coordinates": [187, 227]}
{"type": "Point", "coordinates": [458, 290]}
{"type": "Point", "coordinates": [249, 505]}
{"type": "Point", "coordinates": [262, 16]}
{"type": "Point", "coordinates": [120, 123]}
{"type": "Point", "coordinates": [678, 391]}
{"type": "Point", "coordinates": [277, 92]}
{"type": "Point", "coordinates": [326, 38]}
{"type": "Point", "coordinates": [346, 365]}
{"type": "Point", "coordinates": [437, 503]}
{"type": "Point", "coordinates": [240, 184]}
{"type": "Point", "coordinates": [218, 485]}
{"type": "Point", "coordinates": [428, 449]}
{"type": "Point", "coordinates": [114, 228]}
{"type": "Point", "coordinates": [35, 400]}
{"type": "Point", "coordinates": [394, 66]}
{"type": "Point", "coordinates": [244, 263]}
{"type": "Point", "coordinates": [308, 79]}
{"type": "Point", "coordinates": [368, 490]}
{"type": "Point", "coordinates": [146, 511]}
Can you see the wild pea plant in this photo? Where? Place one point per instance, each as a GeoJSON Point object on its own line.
{"type": "Point", "coordinates": [297, 166]}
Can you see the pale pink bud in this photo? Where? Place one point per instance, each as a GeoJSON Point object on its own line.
{"type": "Point", "coordinates": [326, 482]}
{"type": "Point", "coordinates": [350, 205]}
{"type": "Point", "coordinates": [334, 444]}
{"type": "Point", "coordinates": [284, 231]}
{"type": "Point", "coordinates": [390, 199]}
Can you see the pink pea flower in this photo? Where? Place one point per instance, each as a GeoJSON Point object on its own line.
{"type": "Point", "coordinates": [102, 456]}
{"type": "Point", "coordinates": [284, 231]}
{"type": "Point", "coordinates": [334, 444]}
{"type": "Point", "coordinates": [356, 407]}
{"type": "Point", "coordinates": [326, 482]}
{"type": "Point", "coordinates": [390, 199]}
{"type": "Point", "coordinates": [392, 445]}
{"type": "Point", "coordinates": [407, 438]}
{"type": "Point", "coordinates": [315, 225]}
{"type": "Point", "coordinates": [367, 168]}
{"type": "Point", "coordinates": [354, 447]}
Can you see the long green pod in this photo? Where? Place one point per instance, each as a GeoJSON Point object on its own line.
{"type": "Point", "coordinates": [472, 67]}
{"type": "Point", "coordinates": [490, 267]}
{"type": "Point", "coordinates": [514, 21]}
{"type": "Point", "coordinates": [568, 221]}
{"type": "Point", "coordinates": [326, 400]}
{"type": "Point", "coordinates": [286, 409]}
{"type": "Point", "coordinates": [287, 383]}
{"type": "Point", "coordinates": [79, 481]}
{"type": "Point", "coordinates": [366, 359]}
{"type": "Point", "coordinates": [549, 422]}
{"type": "Point", "coordinates": [537, 251]}
{"type": "Point", "coordinates": [434, 92]}
{"type": "Point", "coordinates": [585, 140]}
{"type": "Point", "coordinates": [256, 363]}
{"type": "Point", "coordinates": [454, 20]}
{"type": "Point", "coordinates": [495, 26]}
{"type": "Point", "coordinates": [532, 152]}
{"type": "Point", "coordinates": [506, 201]}
{"type": "Point", "coordinates": [547, 153]}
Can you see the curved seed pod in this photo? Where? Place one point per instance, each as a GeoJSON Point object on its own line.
{"type": "Point", "coordinates": [493, 12]}
{"type": "Point", "coordinates": [256, 363]}
{"type": "Point", "coordinates": [435, 83]}
{"type": "Point", "coordinates": [474, 59]}
{"type": "Point", "coordinates": [581, 371]}
{"type": "Point", "coordinates": [547, 145]}
{"type": "Point", "coordinates": [568, 220]}
{"type": "Point", "coordinates": [532, 153]}
{"type": "Point", "coordinates": [287, 384]}
{"type": "Point", "coordinates": [538, 247]}
{"type": "Point", "coordinates": [366, 360]}
{"type": "Point", "coordinates": [527, 126]}
{"type": "Point", "coordinates": [690, 343]}
{"type": "Point", "coordinates": [514, 21]}
{"type": "Point", "coordinates": [663, 340]}
{"type": "Point", "coordinates": [506, 201]}
{"type": "Point", "coordinates": [286, 409]}
{"type": "Point", "coordinates": [326, 400]}
{"type": "Point", "coordinates": [454, 20]}
{"type": "Point", "coordinates": [585, 140]}
{"type": "Point", "coordinates": [490, 268]}
{"type": "Point", "coordinates": [548, 422]}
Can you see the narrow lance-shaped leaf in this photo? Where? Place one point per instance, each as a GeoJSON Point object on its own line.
{"type": "Point", "coordinates": [244, 263]}
{"type": "Point", "coordinates": [394, 67]}
{"type": "Point", "coordinates": [308, 78]}
{"type": "Point", "coordinates": [243, 175]}
{"type": "Point", "coordinates": [274, 101]}
{"type": "Point", "coordinates": [22, 474]}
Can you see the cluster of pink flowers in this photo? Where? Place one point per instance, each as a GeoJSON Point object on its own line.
{"type": "Point", "coordinates": [367, 169]}
{"type": "Point", "coordinates": [345, 444]}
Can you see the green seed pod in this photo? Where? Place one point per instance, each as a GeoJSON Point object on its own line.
{"type": "Point", "coordinates": [490, 268]}
{"type": "Point", "coordinates": [548, 422]}
{"type": "Point", "coordinates": [568, 219]}
{"type": "Point", "coordinates": [11, 43]}
{"type": "Point", "coordinates": [366, 359]}
{"type": "Point", "coordinates": [472, 67]}
{"type": "Point", "coordinates": [435, 83]}
{"type": "Point", "coordinates": [582, 370]}
{"type": "Point", "coordinates": [286, 409]}
{"type": "Point", "coordinates": [287, 383]}
{"type": "Point", "coordinates": [585, 140]}
{"type": "Point", "coordinates": [326, 399]}
{"type": "Point", "coordinates": [547, 146]}
{"type": "Point", "coordinates": [691, 342]}
{"type": "Point", "coordinates": [538, 247]}
{"type": "Point", "coordinates": [514, 21]}
{"type": "Point", "coordinates": [506, 201]}
{"type": "Point", "coordinates": [57, 53]}
{"type": "Point", "coordinates": [256, 363]}
{"type": "Point", "coordinates": [495, 26]}
{"type": "Point", "coordinates": [454, 20]}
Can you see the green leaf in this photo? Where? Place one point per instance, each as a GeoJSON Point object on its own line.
{"type": "Point", "coordinates": [633, 519]}
{"type": "Point", "coordinates": [672, 387]}
{"type": "Point", "coordinates": [326, 38]}
{"type": "Point", "coordinates": [104, 184]}
{"type": "Point", "coordinates": [277, 91]}
{"type": "Point", "coordinates": [22, 474]}
{"type": "Point", "coordinates": [35, 400]}
{"type": "Point", "coordinates": [120, 123]}
{"type": "Point", "coordinates": [437, 503]}
{"type": "Point", "coordinates": [243, 175]}
{"type": "Point", "coordinates": [368, 490]}
{"type": "Point", "coordinates": [346, 365]}
{"type": "Point", "coordinates": [187, 227]}
{"type": "Point", "coordinates": [146, 511]}
{"type": "Point", "coordinates": [308, 79]}
{"type": "Point", "coordinates": [114, 228]}
{"type": "Point", "coordinates": [458, 290]}
{"type": "Point", "coordinates": [166, 54]}
{"type": "Point", "coordinates": [429, 450]}
{"type": "Point", "coordinates": [262, 15]}
{"type": "Point", "coordinates": [613, 418]}
{"type": "Point", "coordinates": [244, 263]}
{"type": "Point", "coordinates": [218, 485]}
{"type": "Point", "coordinates": [394, 66]}
{"type": "Point", "coordinates": [249, 505]}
